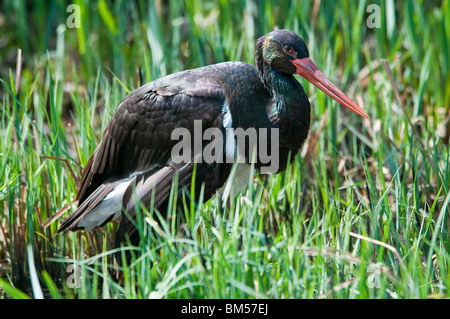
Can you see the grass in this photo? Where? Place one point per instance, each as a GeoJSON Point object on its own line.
{"type": "Point", "coordinates": [361, 213]}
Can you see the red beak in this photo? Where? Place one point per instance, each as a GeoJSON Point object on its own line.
{"type": "Point", "coordinates": [307, 69]}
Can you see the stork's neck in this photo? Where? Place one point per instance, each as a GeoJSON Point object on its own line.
{"type": "Point", "coordinates": [289, 98]}
{"type": "Point", "coordinates": [286, 92]}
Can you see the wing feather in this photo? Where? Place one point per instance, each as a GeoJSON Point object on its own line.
{"type": "Point", "coordinates": [139, 132]}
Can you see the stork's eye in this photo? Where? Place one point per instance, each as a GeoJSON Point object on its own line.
{"type": "Point", "coordinates": [289, 50]}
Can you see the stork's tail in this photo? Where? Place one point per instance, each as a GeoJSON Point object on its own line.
{"type": "Point", "coordinates": [102, 206]}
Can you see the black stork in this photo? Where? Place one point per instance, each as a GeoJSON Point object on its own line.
{"type": "Point", "coordinates": [134, 158]}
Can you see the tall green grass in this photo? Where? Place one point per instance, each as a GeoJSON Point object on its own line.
{"type": "Point", "coordinates": [361, 213]}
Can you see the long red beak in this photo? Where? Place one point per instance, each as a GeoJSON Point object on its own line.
{"type": "Point", "coordinates": [307, 69]}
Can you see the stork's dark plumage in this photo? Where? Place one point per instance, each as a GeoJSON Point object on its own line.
{"type": "Point", "coordinates": [134, 156]}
